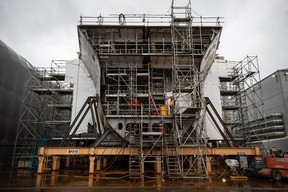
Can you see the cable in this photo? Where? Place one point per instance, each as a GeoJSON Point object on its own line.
{"type": "Point", "coordinates": [196, 13]}
{"type": "Point", "coordinates": [222, 173]}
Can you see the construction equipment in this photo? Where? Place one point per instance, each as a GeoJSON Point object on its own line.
{"type": "Point", "coordinates": [235, 166]}
{"type": "Point", "coordinates": [276, 165]}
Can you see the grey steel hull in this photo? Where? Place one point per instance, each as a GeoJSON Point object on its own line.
{"type": "Point", "coordinates": [13, 69]}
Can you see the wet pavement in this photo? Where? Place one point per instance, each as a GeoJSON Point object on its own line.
{"type": "Point", "coordinates": [25, 180]}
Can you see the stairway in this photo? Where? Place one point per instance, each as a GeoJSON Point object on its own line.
{"type": "Point", "coordinates": [135, 167]}
{"type": "Point", "coordinates": [135, 156]}
{"type": "Point", "coordinates": [172, 158]}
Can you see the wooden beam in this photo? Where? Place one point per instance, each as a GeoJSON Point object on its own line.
{"type": "Point", "coordinates": [51, 151]}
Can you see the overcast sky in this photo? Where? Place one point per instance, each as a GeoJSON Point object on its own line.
{"type": "Point", "coordinates": [45, 30]}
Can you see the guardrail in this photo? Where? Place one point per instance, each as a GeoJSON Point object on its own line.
{"type": "Point", "coordinates": [147, 20]}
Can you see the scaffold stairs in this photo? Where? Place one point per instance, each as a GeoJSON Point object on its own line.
{"type": "Point", "coordinates": [135, 156]}
{"type": "Point", "coordinates": [172, 158]}
{"type": "Point", "coordinates": [135, 167]}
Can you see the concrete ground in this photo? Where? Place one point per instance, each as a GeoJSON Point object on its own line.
{"type": "Point", "coordinates": [25, 180]}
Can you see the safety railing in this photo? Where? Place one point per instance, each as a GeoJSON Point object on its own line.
{"type": "Point", "coordinates": [146, 20]}
{"type": "Point", "coordinates": [129, 109]}
{"type": "Point", "coordinates": [149, 48]}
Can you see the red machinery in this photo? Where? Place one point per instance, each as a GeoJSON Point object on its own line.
{"type": "Point", "coordinates": [276, 165]}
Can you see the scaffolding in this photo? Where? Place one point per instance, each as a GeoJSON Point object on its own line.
{"type": "Point", "coordinates": [242, 100]}
{"type": "Point", "coordinates": [187, 91]}
{"type": "Point", "coordinates": [151, 84]}
{"type": "Point", "coordinates": [45, 112]}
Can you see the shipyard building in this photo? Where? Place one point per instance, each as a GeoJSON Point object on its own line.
{"type": "Point", "coordinates": [271, 128]}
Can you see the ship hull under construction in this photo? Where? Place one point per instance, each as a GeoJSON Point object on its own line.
{"type": "Point", "coordinates": [136, 70]}
{"type": "Point", "coordinates": [143, 85]}
{"type": "Point", "coordinates": [148, 81]}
